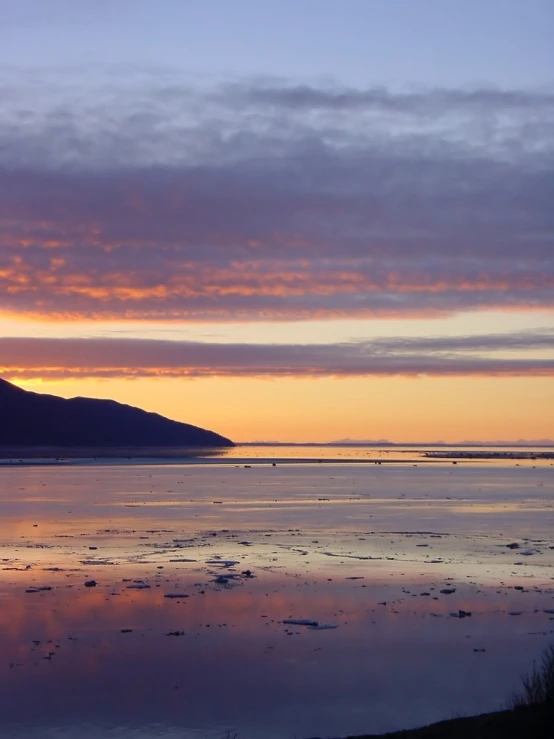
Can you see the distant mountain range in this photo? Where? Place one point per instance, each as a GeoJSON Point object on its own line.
{"type": "Point", "coordinates": [35, 419]}
{"type": "Point", "coordinates": [385, 442]}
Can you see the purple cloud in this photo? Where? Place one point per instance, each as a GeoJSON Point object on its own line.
{"type": "Point", "coordinates": [251, 201]}
{"type": "Point", "coordinates": [440, 356]}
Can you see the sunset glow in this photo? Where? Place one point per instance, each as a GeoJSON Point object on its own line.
{"type": "Point", "coordinates": [291, 256]}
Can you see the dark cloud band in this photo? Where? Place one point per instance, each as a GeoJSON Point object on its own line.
{"type": "Point", "coordinates": [439, 356]}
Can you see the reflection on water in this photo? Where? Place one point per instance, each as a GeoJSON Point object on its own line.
{"type": "Point", "coordinates": [365, 549]}
{"type": "Point", "coordinates": [236, 665]}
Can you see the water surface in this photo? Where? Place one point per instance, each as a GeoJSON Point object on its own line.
{"type": "Point", "coordinates": [362, 547]}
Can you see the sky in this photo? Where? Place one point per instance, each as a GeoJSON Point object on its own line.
{"type": "Point", "coordinates": [294, 221]}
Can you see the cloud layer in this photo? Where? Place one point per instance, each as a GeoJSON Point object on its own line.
{"type": "Point", "coordinates": [153, 198]}
{"type": "Point", "coordinates": [521, 354]}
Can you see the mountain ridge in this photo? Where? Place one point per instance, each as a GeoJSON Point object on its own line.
{"type": "Point", "coordinates": [37, 419]}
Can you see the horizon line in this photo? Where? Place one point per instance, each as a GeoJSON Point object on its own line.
{"type": "Point", "coordinates": [386, 442]}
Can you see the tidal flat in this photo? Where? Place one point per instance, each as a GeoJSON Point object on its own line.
{"type": "Point", "coordinates": [144, 600]}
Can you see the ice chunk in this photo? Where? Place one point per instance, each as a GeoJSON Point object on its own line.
{"type": "Point", "coordinates": [175, 595]}
{"type": "Point", "coordinates": [222, 562]}
{"type": "Point", "coordinates": [323, 627]}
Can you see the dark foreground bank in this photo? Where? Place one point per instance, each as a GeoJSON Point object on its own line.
{"type": "Point", "coordinates": [530, 722]}
{"type": "Point", "coordinates": [530, 716]}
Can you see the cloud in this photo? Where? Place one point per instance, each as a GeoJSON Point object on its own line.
{"type": "Point", "coordinates": [438, 102]}
{"type": "Point", "coordinates": [521, 354]}
{"type": "Point", "coordinates": [160, 199]}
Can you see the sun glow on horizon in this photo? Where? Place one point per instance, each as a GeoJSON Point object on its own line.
{"type": "Point", "coordinates": [324, 409]}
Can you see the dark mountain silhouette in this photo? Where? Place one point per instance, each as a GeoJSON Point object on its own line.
{"type": "Point", "coordinates": [34, 419]}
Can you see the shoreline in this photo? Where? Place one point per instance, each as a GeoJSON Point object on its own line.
{"type": "Point", "coordinates": [18, 456]}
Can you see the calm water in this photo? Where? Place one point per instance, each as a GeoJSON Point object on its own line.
{"type": "Point", "coordinates": [361, 547]}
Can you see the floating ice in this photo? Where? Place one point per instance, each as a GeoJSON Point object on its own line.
{"type": "Point", "coordinates": [38, 590]}
{"type": "Point", "coordinates": [222, 562]}
{"type": "Point", "coordinates": [323, 627]}
{"type": "Point", "coordinates": [176, 595]}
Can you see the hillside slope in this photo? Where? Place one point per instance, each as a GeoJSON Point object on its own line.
{"type": "Point", "coordinates": [34, 419]}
